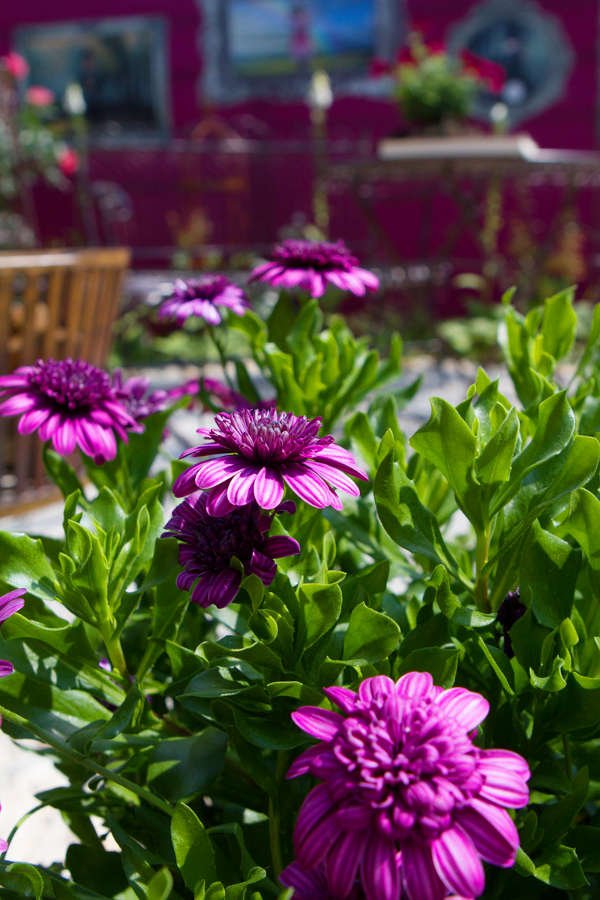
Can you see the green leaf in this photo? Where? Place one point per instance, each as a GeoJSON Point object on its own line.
{"type": "Point", "coordinates": [549, 570]}
{"type": "Point", "coordinates": [371, 635]}
{"type": "Point", "coordinates": [160, 886]}
{"type": "Point", "coordinates": [23, 879]}
{"type": "Point", "coordinates": [583, 523]}
{"type": "Point", "coordinates": [193, 848]}
{"type": "Point", "coordinates": [556, 819]}
{"type": "Point", "coordinates": [62, 474]}
{"type": "Point", "coordinates": [182, 767]}
{"type": "Point", "coordinates": [95, 867]}
{"type": "Point", "coordinates": [406, 520]}
{"type": "Point", "coordinates": [23, 564]}
{"type": "Point", "coordinates": [320, 606]}
{"type": "Point", "coordinates": [559, 324]}
{"type": "Point", "coordinates": [494, 462]}
{"type": "Point", "coordinates": [447, 441]}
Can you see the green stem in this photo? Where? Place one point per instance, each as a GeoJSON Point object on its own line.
{"type": "Point", "coordinates": [85, 762]}
{"type": "Point", "coordinates": [568, 757]}
{"type": "Point", "coordinates": [275, 814]}
{"type": "Point", "coordinates": [114, 649]}
{"type": "Point", "coordinates": [222, 357]}
{"type": "Point", "coordinates": [482, 550]}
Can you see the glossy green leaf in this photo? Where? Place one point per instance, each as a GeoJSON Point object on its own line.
{"type": "Point", "coordinates": [371, 635]}
{"type": "Point", "coordinates": [193, 848]}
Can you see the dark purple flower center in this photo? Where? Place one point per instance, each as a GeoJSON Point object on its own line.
{"type": "Point", "coordinates": [410, 763]}
{"type": "Point", "coordinates": [266, 435]}
{"type": "Point", "coordinates": [319, 255]}
{"type": "Point", "coordinates": [209, 542]}
{"type": "Point", "coordinates": [71, 384]}
{"type": "Point", "coordinates": [209, 287]}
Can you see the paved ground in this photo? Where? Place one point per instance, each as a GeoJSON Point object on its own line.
{"type": "Point", "coordinates": [44, 837]}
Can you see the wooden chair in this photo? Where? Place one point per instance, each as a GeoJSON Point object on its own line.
{"type": "Point", "coordinates": [53, 304]}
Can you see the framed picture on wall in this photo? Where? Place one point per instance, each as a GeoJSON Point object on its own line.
{"type": "Point", "coordinates": [269, 48]}
{"type": "Point", "coordinates": [119, 63]}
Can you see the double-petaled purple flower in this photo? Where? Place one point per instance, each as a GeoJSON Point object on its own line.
{"type": "Point", "coordinates": [314, 265]}
{"type": "Point", "coordinates": [140, 401]}
{"type": "Point", "coordinates": [69, 402]}
{"type": "Point", "coordinates": [203, 298]}
{"type": "Point", "coordinates": [217, 553]}
{"type": "Point", "coordinates": [252, 454]}
{"type": "Point", "coordinates": [408, 806]}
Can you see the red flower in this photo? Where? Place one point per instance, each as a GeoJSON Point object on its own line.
{"type": "Point", "coordinates": [36, 95]}
{"type": "Point", "coordinates": [15, 65]}
{"type": "Point", "coordinates": [68, 161]}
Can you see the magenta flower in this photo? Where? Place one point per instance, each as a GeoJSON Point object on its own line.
{"type": "Point", "coordinates": [312, 266]}
{"type": "Point", "coordinates": [141, 402]}
{"type": "Point", "coordinates": [252, 454]}
{"type": "Point", "coordinates": [9, 603]}
{"type": "Point", "coordinates": [210, 548]}
{"type": "Point", "coordinates": [201, 298]}
{"type": "Point", "coordinates": [69, 402]}
{"type": "Point", "coordinates": [408, 805]}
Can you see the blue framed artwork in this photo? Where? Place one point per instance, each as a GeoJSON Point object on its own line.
{"type": "Point", "coordinates": [119, 63]}
{"type": "Point", "coordinates": [269, 48]}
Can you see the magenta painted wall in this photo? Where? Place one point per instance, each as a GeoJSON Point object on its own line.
{"type": "Point", "coordinates": [278, 187]}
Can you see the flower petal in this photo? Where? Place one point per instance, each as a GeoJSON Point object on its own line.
{"type": "Point", "coordinates": [240, 490]}
{"type": "Point", "coordinates": [322, 724]}
{"type": "Point", "coordinates": [212, 472]}
{"type": "Point", "coordinates": [502, 785]}
{"type": "Point", "coordinates": [420, 877]}
{"type": "Point", "coordinates": [309, 486]}
{"type": "Point", "coordinates": [457, 863]}
{"type": "Point", "coordinates": [492, 831]}
{"type": "Point", "coordinates": [379, 870]}
{"type": "Point", "coordinates": [11, 603]}
{"type": "Point", "coordinates": [342, 697]}
{"type": "Point", "coordinates": [31, 421]}
{"type": "Point", "coordinates": [468, 708]}
{"type": "Point", "coordinates": [280, 545]}
{"type": "Point", "coordinates": [217, 504]}
{"type": "Point", "coordinates": [268, 488]}
{"type": "Point", "coordinates": [343, 861]}
{"type": "Point", "coordinates": [379, 687]}
{"type": "Point", "coordinates": [333, 476]}
{"type": "Point", "coordinates": [6, 668]}
{"type": "Point", "coordinates": [414, 684]}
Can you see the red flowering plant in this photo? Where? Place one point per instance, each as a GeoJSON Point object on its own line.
{"type": "Point", "coordinates": [435, 88]}
{"type": "Point", "coordinates": [315, 658]}
{"type": "Point", "coordinates": [30, 146]}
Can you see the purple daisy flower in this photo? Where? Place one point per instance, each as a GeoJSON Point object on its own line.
{"type": "Point", "coordinates": [69, 402]}
{"type": "Point", "coordinates": [201, 297]}
{"type": "Point", "coordinates": [252, 454]}
{"type": "Point", "coordinates": [210, 548]}
{"type": "Point", "coordinates": [9, 603]}
{"type": "Point", "coordinates": [141, 402]}
{"type": "Point", "coordinates": [312, 266]}
{"type": "Point", "coordinates": [408, 806]}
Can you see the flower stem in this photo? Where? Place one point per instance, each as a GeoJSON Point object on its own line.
{"type": "Point", "coordinates": [275, 814]}
{"type": "Point", "coordinates": [482, 550]}
{"type": "Point", "coordinates": [222, 356]}
{"type": "Point", "coordinates": [86, 762]}
{"type": "Point", "coordinates": [114, 649]}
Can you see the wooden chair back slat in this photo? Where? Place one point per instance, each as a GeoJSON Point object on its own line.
{"type": "Point", "coordinates": [53, 304]}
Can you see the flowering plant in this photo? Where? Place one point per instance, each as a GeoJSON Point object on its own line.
{"type": "Point", "coordinates": [435, 88]}
{"type": "Point", "coordinates": [30, 147]}
{"type": "Point", "coordinates": [346, 663]}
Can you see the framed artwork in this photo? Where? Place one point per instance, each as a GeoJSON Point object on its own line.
{"type": "Point", "coordinates": [529, 44]}
{"type": "Point", "coordinates": [270, 48]}
{"type": "Point", "coordinates": [120, 64]}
